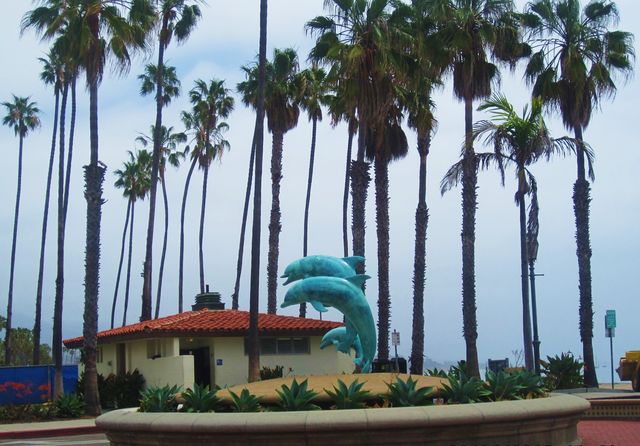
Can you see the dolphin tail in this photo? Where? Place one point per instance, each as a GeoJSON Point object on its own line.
{"type": "Point", "coordinates": [353, 261]}
{"type": "Point", "coordinates": [318, 306]}
{"type": "Point", "coordinates": [358, 280]}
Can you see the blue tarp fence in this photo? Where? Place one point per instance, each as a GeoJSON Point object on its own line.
{"type": "Point", "coordinates": [34, 384]}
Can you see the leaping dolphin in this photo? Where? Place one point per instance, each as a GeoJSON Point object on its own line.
{"type": "Point", "coordinates": [312, 266]}
{"type": "Point", "coordinates": [336, 337]}
{"type": "Point", "coordinates": [347, 297]}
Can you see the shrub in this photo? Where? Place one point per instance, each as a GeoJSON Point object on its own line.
{"type": "Point", "coordinates": [405, 394]}
{"type": "Point", "coordinates": [271, 372]}
{"type": "Point", "coordinates": [562, 372]}
{"type": "Point", "coordinates": [245, 402]}
{"type": "Point", "coordinates": [200, 399]}
{"type": "Point", "coordinates": [440, 373]}
{"type": "Point", "coordinates": [531, 385]}
{"type": "Point", "coordinates": [352, 397]}
{"type": "Point", "coordinates": [462, 389]}
{"type": "Point", "coordinates": [117, 391]}
{"type": "Point", "coordinates": [502, 386]}
{"type": "Point", "coordinates": [159, 399]}
{"type": "Point", "coordinates": [296, 398]}
{"type": "Point", "coordinates": [69, 406]}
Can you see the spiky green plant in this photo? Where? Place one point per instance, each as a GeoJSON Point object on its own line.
{"type": "Point", "coordinates": [159, 399]}
{"type": "Point", "coordinates": [440, 373]}
{"type": "Point", "coordinates": [502, 386]}
{"type": "Point", "coordinates": [464, 390]}
{"type": "Point", "coordinates": [297, 397]}
{"type": "Point", "coordinates": [69, 406]}
{"type": "Point", "coordinates": [562, 372]}
{"type": "Point", "coordinates": [351, 397]}
{"type": "Point", "coordinates": [405, 394]}
{"type": "Point", "coordinates": [200, 399]}
{"type": "Point", "coordinates": [245, 402]}
{"type": "Point", "coordinates": [531, 385]}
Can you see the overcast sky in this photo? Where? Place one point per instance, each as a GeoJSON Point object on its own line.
{"type": "Point", "coordinates": [227, 38]}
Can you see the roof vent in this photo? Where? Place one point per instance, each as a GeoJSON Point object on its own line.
{"type": "Point", "coordinates": [210, 301]}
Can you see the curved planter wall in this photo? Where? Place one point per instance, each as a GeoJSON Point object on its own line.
{"type": "Point", "coordinates": [545, 421]}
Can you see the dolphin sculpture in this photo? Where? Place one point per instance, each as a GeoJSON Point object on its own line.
{"type": "Point", "coordinates": [347, 297]}
{"type": "Point", "coordinates": [312, 266]}
{"type": "Point", "coordinates": [336, 337]}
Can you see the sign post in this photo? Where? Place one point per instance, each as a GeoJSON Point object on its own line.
{"type": "Point", "coordinates": [395, 341]}
{"type": "Point", "coordinates": [610, 332]}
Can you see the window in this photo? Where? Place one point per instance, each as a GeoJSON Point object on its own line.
{"type": "Point", "coordinates": [154, 349]}
{"type": "Point", "coordinates": [281, 346]}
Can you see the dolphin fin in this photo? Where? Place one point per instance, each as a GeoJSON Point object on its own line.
{"type": "Point", "coordinates": [318, 306]}
{"type": "Point", "coordinates": [358, 280]}
{"type": "Point", "coordinates": [353, 261]}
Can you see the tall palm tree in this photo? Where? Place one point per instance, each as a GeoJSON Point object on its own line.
{"type": "Point", "coordinates": [176, 18]}
{"type": "Point", "coordinates": [170, 82]}
{"type": "Point", "coordinates": [282, 111]}
{"type": "Point", "coordinates": [210, 104]}
{"type": "Point", "coordinates": [22, 116]}
{"type": "Point", "coordinates": [170, 155]}
{"type": "Point", "coordinates": [52, 74]}
{"type": "Point", "coordinates": [473, 32]}
{"type": "Point", "coordinates": [254, 298]}
{"type": "Point", "coordinates": [134, 180]}
{"type": "Point", "coordinates": [110, 28]}
{"type": "Point", "coordinates": [521, 140]}
{"type": "Point", "coordinates": [313, 96]}
{"type": "Point", "coordinates": [575, 58]}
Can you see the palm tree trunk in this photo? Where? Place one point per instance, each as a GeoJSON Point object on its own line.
{"type": "Point", "coordinates": [243, 226]}
{"type": "Point", "coordinates": [419, 263]}
{"type": "Point", "coordinates": [524, 280]}
{"type": "Point", "coordinates": [124, 238]}
{"type": "Point", "coordinates": [345, 196]}
{"type": "Point", "coordinates": [581, 201]}
{"type": "Point", "coordinates": [59, 295]}
{"type": "Point", "coordinates": [203, 208]}
{"type": "Point", "coordinates": [469, 204]}
{"type": "Point", "coordinates": [359, 184]}
{"type": "Point", "coordinates": [43, 238]}
{"type": "Point", "coordinates": [382, 230]}
{"type": "Point", "coordinates": [94, 178]}
{"type": "Point", "coordinates": [275, 225]}
{"type": "Point", "coordinates": [155, 167]}
{"type": "Point", "coordinates": [165, 201]}
{"type": "Point", "coordinates": [254, 298]}
{"type": "Point", "coordinates": [307, 202]}
{"type": "Point", "coordinates": [72, 129]}
{"type": "Point", "coordinates": [128, 279]}
{"type": "Point", "coordinates": [7, 340]}
{"type": "Point", "coordinates": [182, 212]}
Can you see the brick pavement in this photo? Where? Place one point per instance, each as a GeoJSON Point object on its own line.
{"type": "Point", "coordinates": [609, 433]}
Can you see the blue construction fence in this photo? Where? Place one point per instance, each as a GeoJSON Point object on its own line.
{"type": "Point", "coordinates": [34, 384]}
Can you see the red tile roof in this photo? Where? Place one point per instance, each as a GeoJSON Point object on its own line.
{"type": "Point", "coordinates": [211, 323]}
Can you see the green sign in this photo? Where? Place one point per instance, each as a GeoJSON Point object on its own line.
{"type": "Point", "coordinates": [610, 319]}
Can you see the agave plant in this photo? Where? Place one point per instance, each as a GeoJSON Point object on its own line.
{"type": "Point", "coordinates": [200, 399]}
{"type": "Point", "coordinates": [69, 406]}
{"type": "Point", "coordinates": [464, 389]}
{"type": "Point", "coordinates": [245, 402]}
{"type": "Point", "coordinates": [562, 372]}
{"type": "Point", "coordinates": [159, 399]}
{"type": "Point", "coordinates": [296, 398]}
{"type": "Point", "coordinates": [405, 394]}
{"type": "Point", "coordinates": [531, 385]}
{"type": "Point", "coordinates": [502, 386]}
{"type": "Point", "coordinates": [440, 373]}
{"type": "Point", "coordinates": [352, 397]}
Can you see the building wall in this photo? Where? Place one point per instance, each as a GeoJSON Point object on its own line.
{"type": "Point", "coordinates": [108, 364]}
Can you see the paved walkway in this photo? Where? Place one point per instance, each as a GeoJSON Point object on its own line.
{"type": "Point", "coordinates": [48, 429]}
{"type": "Point", "coordinates": [609, 433]}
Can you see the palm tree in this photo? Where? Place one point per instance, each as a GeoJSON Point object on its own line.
{"type": "Point", "coordinates": [472, 32]}
{"type": "Point", "coordinates": [22, 116]}
{"type": "Point", "coordinates": [108, 28]}
{"type": "Point", "coordinates": [177, 18]}
{"type": "Point", "coordinates": [211, 103]}
{"type": "Point", "coordinates": [521, 140]}
{"type": "Point", "coordinates": [170, 82]}
{"type": "Point", "coordinates": [134, 180]}
{"type": "Point", "coordinates": [52, 74]}
{"type": "Point", "coordinates": [172, 156]}
{"type": "Point", "coordinates": [314, 95]}
{"type": "Point", "coordinates": [282, 111]}
{"type": "Point", "coordinates": [572, 68]}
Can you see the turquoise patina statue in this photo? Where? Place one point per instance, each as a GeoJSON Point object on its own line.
{"type": "Point", "coordinates": [325, 281]}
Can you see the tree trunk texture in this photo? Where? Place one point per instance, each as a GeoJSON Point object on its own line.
{"type": "Point", "coordinates": [419, 261]}
{"type": "Point", "coordinates": [182, 212]}
{"type": "Point", "coordinates": [243, 226]}
{"type": "Point", "coordinates": [72, 130]}
{"type": "Point", "coordinates": [275, 225]}
{"type": "Point", "coordinates": [524, 280]}
{"type": "Point", "coordinates": [130, 254]}
{"type": "Point", "coordinates": [203, 208]}
{"type": "Point", "coordinates": [307, 203]}
{"type": "Point", "coordinates": [124, 239]}
{"type": "Point", "coordinates": [345, 197]}
{"type": "Point", "coordinates": [382, 230]}
{"type": "Point", "coordinates": [165, 237]}
{"type": "Point", "coordinates": [43, 239]}
{"type": "Point", "coordinates": [254, 298]}
{"type": "Point", "coordinates": [359, 185]}
{"type": "Point", "coordinates": [469, 204]}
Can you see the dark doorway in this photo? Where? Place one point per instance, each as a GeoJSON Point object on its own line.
{"type": "Point", "coordinates": [201, 364]}
{"type": "Point", "coordinates": [121, 361]}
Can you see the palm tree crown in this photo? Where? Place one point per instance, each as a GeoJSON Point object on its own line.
{"type": "Point", "coordinates": [22, 115]}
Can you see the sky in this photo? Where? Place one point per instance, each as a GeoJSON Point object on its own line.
{"type": "Point", "coordinates": [226, 39]}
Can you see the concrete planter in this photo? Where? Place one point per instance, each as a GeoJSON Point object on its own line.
{"type": "Point", "coordinates": [544, 421]}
